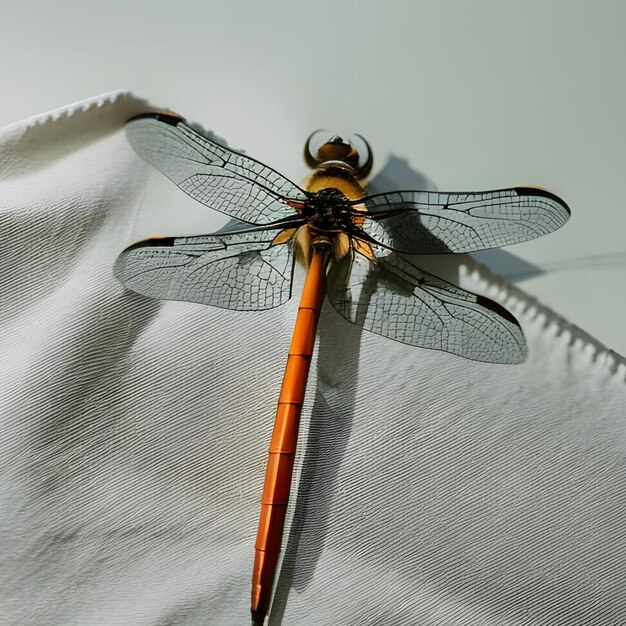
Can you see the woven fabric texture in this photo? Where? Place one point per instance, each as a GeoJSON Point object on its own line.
{"type": "Point", "coordinates": [430, 491]}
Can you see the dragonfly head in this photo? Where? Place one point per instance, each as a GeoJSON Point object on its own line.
{"type": "Point", "coordinates": [350, 152]}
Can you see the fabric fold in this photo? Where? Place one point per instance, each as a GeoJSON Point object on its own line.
{"type": "Point", "coordinates": [431, 490]}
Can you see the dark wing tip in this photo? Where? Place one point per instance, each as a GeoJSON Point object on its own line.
{"type": "Point", "coordinates": [161, 242]}
{"type": "Point", "coordinates": [517, 335]}
{"type": "Point", "coordinates": [163, 116]}
{"type": "Point", "coordinates": [496, 308]}
{"type": "Point", "coordinates": [538, 191]}
{"type": "Point", "coordinates": [120, 266]}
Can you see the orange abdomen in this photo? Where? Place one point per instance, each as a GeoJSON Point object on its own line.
{"type": "Point", "coordinates": [285, 436]}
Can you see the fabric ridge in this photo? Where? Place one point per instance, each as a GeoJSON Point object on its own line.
{"type": "Point", "coordinates": [431, 490]}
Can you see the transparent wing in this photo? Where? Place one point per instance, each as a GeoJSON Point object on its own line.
{"type": "Point", "coordinates": [240, 271]}
{"type": "Point", "coordinates": [221, 178]}
{"type": "Point", "coordinates": [429, 222]}
{"type": "Point", "coordinates": [398, 300]}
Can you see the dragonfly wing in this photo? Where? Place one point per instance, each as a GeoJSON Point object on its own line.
{"type": "Point", "coordinates": [430, 222]}
{"type": "Point", "coordinates": [396, 299]}
{"type": "Point", "coordinates": [241, 271]}
{"type": "Point", "coordinates": [218, 177]}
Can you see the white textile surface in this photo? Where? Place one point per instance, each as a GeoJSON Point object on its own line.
{"type": "Point", "coordinates": [431, 490]}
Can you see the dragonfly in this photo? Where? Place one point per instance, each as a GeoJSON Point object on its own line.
{"type": "Point", "coordinates": [359, 252]}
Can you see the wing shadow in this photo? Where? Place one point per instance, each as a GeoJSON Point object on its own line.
{"type": "Point", "coordinates": [397, 173]}
{"type": "Point", "coordinates": [513, 268]}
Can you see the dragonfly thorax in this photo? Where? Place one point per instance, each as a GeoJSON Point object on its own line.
{"type": "Point", "coordinates": [328, 210]}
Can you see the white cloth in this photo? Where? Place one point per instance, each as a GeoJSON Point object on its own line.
{"type": "Point", "coordinates": [433, 491]}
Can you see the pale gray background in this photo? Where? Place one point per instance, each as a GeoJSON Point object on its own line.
{"type": "Point", "coordinates": [131, 486]}
{"type": "Point", "coordinates": [474, 95]}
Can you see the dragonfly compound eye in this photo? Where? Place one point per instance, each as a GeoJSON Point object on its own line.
{"type": "Point", "coordinates": [325, 148]}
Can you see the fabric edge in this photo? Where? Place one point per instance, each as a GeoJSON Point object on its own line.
{"type": "Point", "coordinates": [530, 309]}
